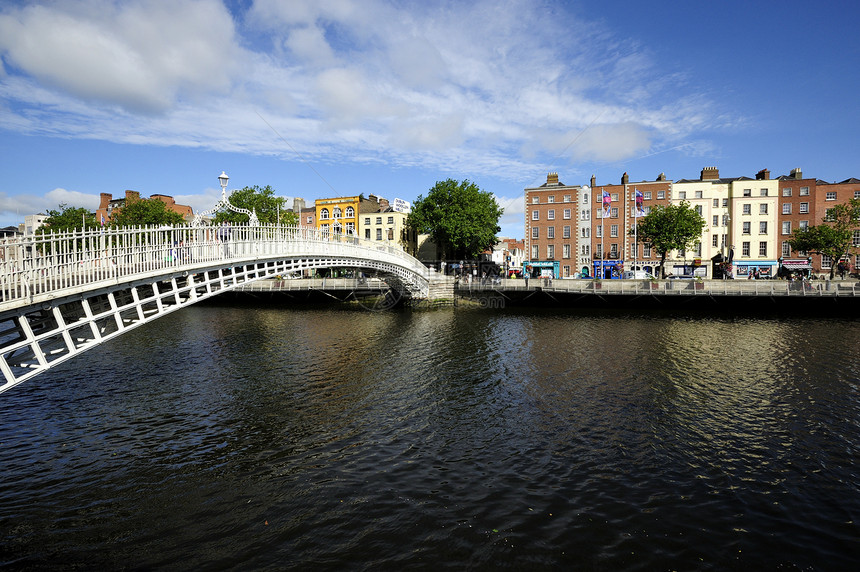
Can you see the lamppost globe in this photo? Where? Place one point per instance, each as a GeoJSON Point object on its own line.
{"type": "Point", "coordinates": [223, 178]}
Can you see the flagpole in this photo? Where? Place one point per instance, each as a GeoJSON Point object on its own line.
{"type": "Point", "coordinates": [635, 232]}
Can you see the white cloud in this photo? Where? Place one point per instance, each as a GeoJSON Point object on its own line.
{"type": "Point", "coordinates": [18, 206]}
{"type": "Point", "coordinates": [477, 88]}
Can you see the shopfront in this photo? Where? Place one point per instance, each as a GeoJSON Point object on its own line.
{"type": "Point", "coordinates": [797, 267]}
{"type": "Point", "coordinates": [541, 269]}
{"type": "Point", "coordinates": [757, 271]}
{"type": "Point", "coordinates": [608, 269]}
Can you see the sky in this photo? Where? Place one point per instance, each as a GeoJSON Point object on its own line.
{"type": "Point", "coordinates": [326, 98]}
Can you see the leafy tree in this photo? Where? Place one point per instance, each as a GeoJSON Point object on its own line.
{"type": "Point", "coordinates": [834, 237]}
{"type": "Point", "coordinates": [145, 212]}
{"type": "Point", "coordinates": [461, 218]}
{"type": "Point", "coordinates": [260, 200]}
{"type": "Point", "coordinates": [68, 218]}
{"type": "Point", "coordinates": [670, 227]}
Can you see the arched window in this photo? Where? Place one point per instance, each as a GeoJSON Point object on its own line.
{"type": "Point", "coordinates": [350, 212]}
{"type": "Point", "coordinates": [335, 212]}
{"type": "Point", "coordinates": [324, 214]}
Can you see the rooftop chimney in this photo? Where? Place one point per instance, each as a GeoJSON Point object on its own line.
{"type": "Point", "coordinates": [104, 199]}
{"type": "Point", "coordinates": [796, 174]}
{"type": "Point", "coordinates": [709, 174]}
{"type": "Point", "coordinates": [661, 177]}
{"type": "Point", "coordinates": [551, 179]}
{"type": "Point", "coordinates": [624, 178]}
{"type": "Point", "coordinates": [132, 196]}
{"type": "Point", "coordinates": [762, 175]}
{"type": "Point", "coordinates": [593, 181]}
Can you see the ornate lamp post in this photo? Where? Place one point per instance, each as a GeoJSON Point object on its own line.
{"type": "Point", "coordinates": [224, 202]}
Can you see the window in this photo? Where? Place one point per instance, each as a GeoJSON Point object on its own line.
{"type": "Point", "coordinates": [762, 192]}
{"type": "Point", "coordinates": [746, 227]}
{"type": "Point", "coordinates": [367, 233]}
{"type": "Point", "coordinates": [534, 252]}
{"type": "Point", "coordinates": [310, 219]}
{"type": "Point", "coordinates": [391, 220]}
{"type": "Point", "coordinates": [855, 239]}
{"type": "Point", "coordinates": [786, 208]}
{"type": "Point", "coordinates": [725, 203]}
{"type": "Point", "coordinates": [350, 228]}
{"type": "Point", "coordinates": [745, 249]}
{"type": "Point", "coordinates": [804, 208]}
{"type": "Point", "coordinates": [379, 220]}
{"type": "Point", "coordinates": [682, 195]}
{"type": "Point", "coordinates": [565, 232]}
{"type": "Point", "coordinates": [699, 209]}
{"type": "Point", "coordinates": [586, 249]}
{"type": "Point", "coordinates": [584, 215]}
{"type": "Point", "coordinates": [747, 209]}
{"type": "Point", "coordinates": [613, 212]}
{"type": "Point", "coordinates": [535, 232]}
{"type": "Point", "coordinates": [324, 214]}
{"type": "Point", "coordinates": [646, 251]}
{"type": "Point", "coordinates": [804, 191]}
{"type": "Point", "coordinates": [550, 251]}
{"type": "Point", "coordinates": [336, 213]}
{"type": "Point", "coordinates": [762, 227]}
{"type": "Point", "coordinates": [550, 214]}
{"type": "Point", "coordinates": [830, 196]}
{"type": "Point", "coordinates": [828, 215]}
{"type": "Point", "coordinates": [803, 225]}
{"type": "Point", "coordinates": [350, 212]}
{"type": "Point", "coordinates": [550, 199]}
{"type": "Point", "coordinates": [786, 227]}
{"type": "Point", "coordinates": [661, 195]}
{"type": "Point", "coordinates": [857, 194]}
{"type": "Point", "coordinates": [762, 249]}
{"type": "Point", "coordinates": [567, 270]}
{"type": "Point", "coordinates": [566, 214]}
{"type": "Point", "coordinates": [550, 232]}
{"type": "Point", "coordinates": [747, 192]}
{"type": "Point", "coordinates": [567, 198]}
{"type": "Point", "coordinates": [714, 240]}
{"type": "Point", "coordinates": [565, 251]}
{"type": "Point", "coordinates": [786, 249]}
{"type": "Point", "coordinates": [585, 198]}
{"type": "Point", "coordinates": [367, 220]}
{"type": "Point", "coordinates": [535, 215]}
{"type": "Point", "coordinates": [716, 203]}
{"type": "Point", "coordinates": [725, 220]}
{"type": "Point", "coordinates": [613, 250]}
{"type": "Point", "coordinates": [584, 232]}
{"type": "Point", "coordinates": [614, 197]}
{"type": "Point", "coordinates": [786, 192]}
{"type": "Point", "coordinates": [762, 208]}
{"type": "Point", "coordinates": [826, 261]}
{"type": "Point", "coordinates": [646, 195]}
{"type": "Point", "coordinates": [716, 220]}
{"type": "Point", "coordinates": [698, 194]}
{"type": "Point", "coordinates": [535, 201]}
{"type": "Point", "coordinates": [698, 249]}
{"type": "Point", "coordinates": [378, 234]}
{"type": "Point", "coordinates": [599, 229]}
{"type": "Point", "coordinates": [598, 251]}
{"type": "Point", "coordinates": [613, 231]}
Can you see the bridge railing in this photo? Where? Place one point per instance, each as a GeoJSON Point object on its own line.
{"type": "Point", "coordinates": [52, 262]}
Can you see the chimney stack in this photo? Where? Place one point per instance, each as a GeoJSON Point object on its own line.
{"type": "Point", "coordinates": [709, 174]}
{"type": "Point", "coordinates": [762, 175]}
{"type": "Point", "coordinates": [593, 181]}
{"type": "Point", "coordinates": [624, 178]}
{"type": "Point", "coordinates": [132, 196]}
{"type": "Point", "coordinates": [551, 179]}
{"type": "Point", "coordinates": [104, 199]}
{"type": "Point", "coordinates": [661, 177]}
{"type": "Point", "coordinates": [796, 174]}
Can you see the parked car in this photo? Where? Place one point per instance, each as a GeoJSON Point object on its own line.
{"type": "Point", "coordinates": [637, 275]}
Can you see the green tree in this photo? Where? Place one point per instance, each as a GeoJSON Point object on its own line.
{"type": "Point", "coordinates": [669, 227]}
{"type": "Point", "coordinates": [145, 212]}
{"type": "Point", "coordinates": [261, 200]}
{"type": "Point", "coordinates": [461, 218]}
{"type": "Point", "coordinates": [68, 218]}
{"type": "Point", "coordinates": [834, 237]}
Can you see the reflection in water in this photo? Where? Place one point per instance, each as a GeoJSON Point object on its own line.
{"type": "Point", "coordinates": [330, 438]}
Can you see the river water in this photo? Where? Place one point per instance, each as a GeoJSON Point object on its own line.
{"type": "Point", "coordinates": [329, 438]}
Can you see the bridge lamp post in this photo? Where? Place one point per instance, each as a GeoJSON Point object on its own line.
{"type": "Point", "coordinates": [223, 178]}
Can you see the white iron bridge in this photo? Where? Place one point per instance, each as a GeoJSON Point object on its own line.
{"type": "Point", "coordinates": [64, 293]}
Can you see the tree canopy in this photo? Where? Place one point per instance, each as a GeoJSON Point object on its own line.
{"type": "Point", "coordinates": [145, 212]}
{"type": "Point", "coordinates": [670, 227]}
{"type": "Point", "coordinates": [461, 218]}
{"type": "Point", "coordinates": [68, 218]}
{"type": "Point", "coordinates": [261, 200]}
{"type": "Point", "coordinates": [834, 237]}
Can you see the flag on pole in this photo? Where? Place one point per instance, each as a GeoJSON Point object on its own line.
{"type": "Point", "coordinates": [640, 210]}
{"type": "Point", "coordinates": [607, 201]}
{"type": "Point", "coordinates": [103, 220]}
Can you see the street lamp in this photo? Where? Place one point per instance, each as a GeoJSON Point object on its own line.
{"type": "Point", "coordinates": [223, 178]}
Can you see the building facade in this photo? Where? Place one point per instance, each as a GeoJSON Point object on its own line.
{"type": "Point", "coordinates": [552, 229]}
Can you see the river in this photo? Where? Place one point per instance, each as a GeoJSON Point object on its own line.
{"type": "Point", "coordinates": [334, 438]}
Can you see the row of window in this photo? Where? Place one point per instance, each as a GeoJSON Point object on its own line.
{"type": "Point", "coordinates": [336, 213]}
{"type": "Point", "coordinates": [550, 199]}
{"type": "Point", "coordinates": [550, 214]}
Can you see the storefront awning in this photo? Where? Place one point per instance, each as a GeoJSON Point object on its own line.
{"type": "Point", "coordinates": [799, 264]}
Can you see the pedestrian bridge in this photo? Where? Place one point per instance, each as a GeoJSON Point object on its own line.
{"type": "Point", "coordinates": [64, 293]}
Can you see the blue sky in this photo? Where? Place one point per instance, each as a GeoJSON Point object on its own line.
{"type": "Point", "coordinates": [340, 97]}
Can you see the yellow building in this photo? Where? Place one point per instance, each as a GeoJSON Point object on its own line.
{"type": "Point", "coordinates": [337, 215]}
